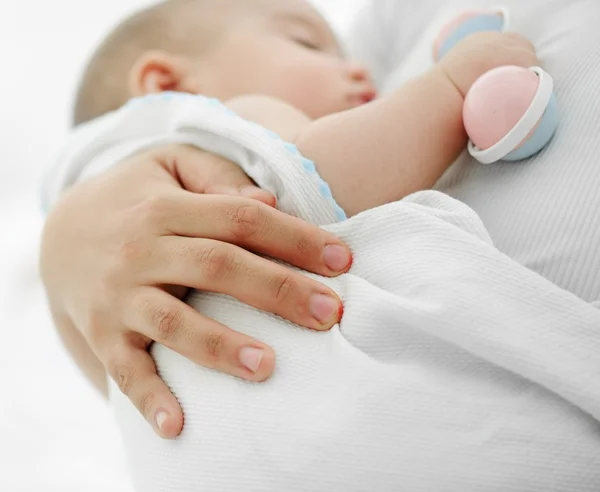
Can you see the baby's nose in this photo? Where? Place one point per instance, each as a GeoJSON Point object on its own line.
{"type": "Point", "coordinates": [358, 72]}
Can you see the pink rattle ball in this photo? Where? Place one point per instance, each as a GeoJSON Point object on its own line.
{"type": "Point", "coordinates": [510, 113]}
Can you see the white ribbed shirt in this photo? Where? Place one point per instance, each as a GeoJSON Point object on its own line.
{"type": "Point", "coordinates": [544, 214]}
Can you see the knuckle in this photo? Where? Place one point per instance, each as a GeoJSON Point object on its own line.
{"type": "Point", "coordinates": [128, 252]}
{"type": "Point", "coordinates": [213, 344]}
{"type": "Point", "coordinates": [115, 270]}
{"type": "Point", "coordinates": [304, 247]}
{"type": "Point", "coordinates": [168, 322]}
{"type": "Point", "coordinates": [147, 404]}
{"type": "Point", "coordinates": [151, 211]}
{"type": "Point", "coordinates": [281, 286]}
{"type": "Point", "coordinates": [247, 220]}
{"type": "Point", "coordinates": [130, 249]}
{"type": "Point", "coordinates": [216, 262]}
{"type": "Point", "coordinates": [518, 38]}
{"type": "Point", "coordinates": [124, 376]}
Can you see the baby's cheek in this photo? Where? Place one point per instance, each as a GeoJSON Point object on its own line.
{"type": "Point", "coordinates": [318, 95]}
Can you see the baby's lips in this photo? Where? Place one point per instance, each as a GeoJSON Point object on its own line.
{"type": "Point", "coordinates": [368, 96]}
{"type": "Point", "coordinates": [363, 97]}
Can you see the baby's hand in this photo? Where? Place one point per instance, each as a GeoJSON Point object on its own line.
{"type": "Point", "coordinates": [481, 52]}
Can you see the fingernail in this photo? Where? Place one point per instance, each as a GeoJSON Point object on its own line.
{"type": "Point", "coordinates": [160, 418]}
{"type": "Point", "coordinates": [251, 358]}
{"type": "Point", "coordinates": [336, 257]}
{"type": "Point", "coordinates": [259, 194]}
{"type": "Point", "coordinates": [324, 308]}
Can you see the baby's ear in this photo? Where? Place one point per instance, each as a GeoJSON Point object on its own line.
{"type": "Point", "coordinates": [158, 71]}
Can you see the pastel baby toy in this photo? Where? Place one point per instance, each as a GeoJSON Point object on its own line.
{"type": "Point", "coordinates": [469, 23]}
{"type": "Point", "coordinates": [510, 113]}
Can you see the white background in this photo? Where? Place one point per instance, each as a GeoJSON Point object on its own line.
{"type": "Point", "coordinates": [56, 434]}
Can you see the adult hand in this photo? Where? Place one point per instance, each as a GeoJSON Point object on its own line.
{"type": "Point", "coordinates": [120, 250]}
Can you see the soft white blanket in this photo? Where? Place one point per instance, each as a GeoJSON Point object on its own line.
{"type": "Point", "coordinates": [433, 381]}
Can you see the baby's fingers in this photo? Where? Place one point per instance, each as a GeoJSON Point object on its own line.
{"type": "Point", "coordinates": [134, 371]}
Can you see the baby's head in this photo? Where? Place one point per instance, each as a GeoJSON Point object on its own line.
{"type": "Point", "coordinates": [224, 49]}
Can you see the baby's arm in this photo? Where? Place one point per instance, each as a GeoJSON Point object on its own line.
{"type": "Point", "coordinates": [377, 153]}
{"type": "Point", "coordinates": [388, 149]}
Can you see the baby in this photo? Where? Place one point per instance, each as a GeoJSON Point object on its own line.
{"type": "Point", "coordinates": [276, 63]}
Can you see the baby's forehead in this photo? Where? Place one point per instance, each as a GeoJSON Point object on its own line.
{"type": "Point", "coordinates": [284, 14]}
{"type": "Point", "coordinates": [298, 12]}
{"type": "Point", "coordinates": [294, 8]}
{"type": "Point", "coordinates": [231, 10]}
